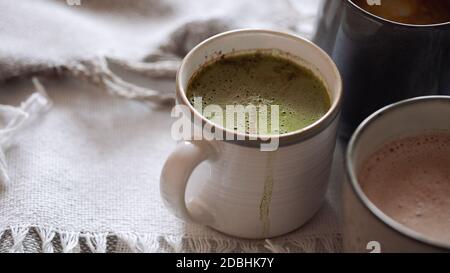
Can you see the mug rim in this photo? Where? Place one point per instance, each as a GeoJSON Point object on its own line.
{"type": "Point", "coordinates": [384, 20]}
{"type": "Point", "coordinates": [356, 188]}
{"type": "Point", "coordinates": [255, 140]}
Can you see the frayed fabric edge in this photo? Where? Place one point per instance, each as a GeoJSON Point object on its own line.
{"type": "Point", "coordinates": [97, 70]}
{"type": "Point", "coordinates": [14, 118]}
{"type": "Point", "coordinates": [47, 239]}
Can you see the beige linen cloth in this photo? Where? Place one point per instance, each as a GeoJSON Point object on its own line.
{"type": "Point", "coordinates": [79, 167]}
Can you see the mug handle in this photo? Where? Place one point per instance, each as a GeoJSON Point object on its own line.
{"type": "Point", "coordinates": [176, 172]}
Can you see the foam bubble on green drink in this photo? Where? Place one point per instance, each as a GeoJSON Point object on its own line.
{"type": "Point", "coordinates": [263, 78]}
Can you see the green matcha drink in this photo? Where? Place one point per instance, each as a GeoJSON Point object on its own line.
{"type": "Point", "coordinates": [263, 78]}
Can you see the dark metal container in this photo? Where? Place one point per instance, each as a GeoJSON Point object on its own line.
{"type": "Point", "coordinates": [381, 61]}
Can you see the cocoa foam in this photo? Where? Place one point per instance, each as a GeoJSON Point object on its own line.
{"type": "Point", "coordinates": [409, 180]}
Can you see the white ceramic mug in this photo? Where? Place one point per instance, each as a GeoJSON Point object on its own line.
{"type": "Point", "coordinates": [241, 190]}
{"type": "Point", "coordinates": [367, 228]}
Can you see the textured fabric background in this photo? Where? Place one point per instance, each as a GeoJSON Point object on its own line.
{"type": "Point", "coordinates": [84, 174]}
{"type": "Point", "coordinates": [38, 34]}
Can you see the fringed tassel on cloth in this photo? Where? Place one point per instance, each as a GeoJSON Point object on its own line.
{"type": "Point", "coordinates": [18, 235]}
{"type": "Point", "coordinates": [12, 119]}
{"type": "Point", "coordinates": [97, 71]}
{"type": "Point", "coordinates": [69, 241]}
{"type": "Point", "coordinates": [97, 242]}
{"type": "Point", "coordinates": [45, 239]}
{"type": "Point", "coordinates": [46, 235]}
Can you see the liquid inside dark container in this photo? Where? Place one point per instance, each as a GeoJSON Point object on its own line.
{"type": "Point", "coordinates": [382, 62]}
